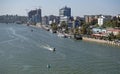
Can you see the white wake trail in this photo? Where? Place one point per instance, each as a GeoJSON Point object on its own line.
{"type": "Point", "coordinates": [17, 35]}
{"type": "Point", "coordinates": [48, 47]}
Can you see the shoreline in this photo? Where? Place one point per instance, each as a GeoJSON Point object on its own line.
{"type": "Point", "coordinates": [101, 41]}
{"type": "Point", "coordinates": [85, 38]}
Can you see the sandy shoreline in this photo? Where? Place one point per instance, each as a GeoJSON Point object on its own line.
{"type": "Point", "coordinates": [101, 41]}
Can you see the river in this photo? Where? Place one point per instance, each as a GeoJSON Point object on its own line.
{"type": "Point", "coordinates": [23, 51]}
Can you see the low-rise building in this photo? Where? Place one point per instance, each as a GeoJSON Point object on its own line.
{"type": "Point", "coordinates": [114, 31]}
{"type": "Point", "coordinates": [45, 20]}
{"type": "Point", "coordinates": [103, 19]}
{"type": "Point", "coordinates": [98, 30]}
{"type": "Point", "coordinates": [53, 19]}
{"type": "Point", "coordinates": [91, 18]}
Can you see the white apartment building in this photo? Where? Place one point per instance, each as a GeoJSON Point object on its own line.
{"type": "Point", "coordinates": [101, 20]}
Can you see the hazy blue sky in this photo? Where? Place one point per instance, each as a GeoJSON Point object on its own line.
{"type": "Point", "coordinates": [79, 7]}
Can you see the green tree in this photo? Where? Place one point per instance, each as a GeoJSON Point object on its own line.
{"type": "Point", "coordinates": [63, 24]}
{"type": "Point", "coordinates": [118, 36]}
{"type": "Point", "coordinates": [93, 22]}
{"type": "Point", "coordinates": [111, 23]}
{"type": "Point", "coordinates": [83, 30]}
{"type": "Point", "coordinates": [111, 36]}
{"type": "Point", "coordinates": [89, 31]}
{"type": "Point", "coordinates": [77, 31]}
{"type": "Point", "coordinates": [108, 24]}
{"type": "Point", "coordinates": [54, 26]}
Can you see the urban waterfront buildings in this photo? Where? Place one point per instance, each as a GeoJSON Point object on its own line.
{"type": "Point", "coordinates": [65, 14]}
{"type": "Point", "coordinates": [13, 19]}
{"type": "Point", "coordinates": [65, 11]}
{"type": "Point", "coordinates": [53, 19]}
{"type": "Point", "coordinates": [91, 18]}
{"type": "Point", "coordinates": [47, 20]}
{"type": "Point", "coordinates": [97, 19]}
{"type": "Point", "coordinates": [103, 18]}
{"type": "Point", "coordinates": [34, 16]}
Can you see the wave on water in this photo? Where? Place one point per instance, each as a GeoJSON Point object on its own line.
{"type": "Point", "coordinates": [18, 35]}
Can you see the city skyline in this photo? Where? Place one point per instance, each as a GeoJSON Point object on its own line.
{"type": "Point", "coordinates": [78, 8]}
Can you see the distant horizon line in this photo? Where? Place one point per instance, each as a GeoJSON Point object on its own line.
{"type": "Point", "coordinates": [58, 15]}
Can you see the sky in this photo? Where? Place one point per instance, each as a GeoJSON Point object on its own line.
{"type": "Point", "coordinates": [51, 7]}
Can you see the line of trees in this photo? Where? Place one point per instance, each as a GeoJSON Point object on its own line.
{"type": "Point", "coordinates": [115, 22]}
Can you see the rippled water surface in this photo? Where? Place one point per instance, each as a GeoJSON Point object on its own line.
{"type": "Point", "coordinates": [26, 52]}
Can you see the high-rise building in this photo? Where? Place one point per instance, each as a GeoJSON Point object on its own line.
{"type": "Point", "coordinates": [65, 11]}
{"type": "Point", "coordinates": [65, 14]}
{"type": "Point", "coordinates": [35, 16]}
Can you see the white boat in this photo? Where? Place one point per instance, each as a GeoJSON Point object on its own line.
{"type": "Point", "coordinates": [61, 35]}
{"type": "Point", "coordinates": [52, 49]}
{"type": "Point", "coordinates": [48, 66]}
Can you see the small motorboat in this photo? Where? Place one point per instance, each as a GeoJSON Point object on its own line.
{"type": "Point", "coordinates": [78, 37]}
{"type": "Point", "coordinates": [53, 49]}
{"type": "Point", "coordinates": [31, 30]}
{"type": "Point", "coordinates": [48, 66]}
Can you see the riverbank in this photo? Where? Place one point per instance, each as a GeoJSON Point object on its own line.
{"type": "Point", "coordinates": [83, 38]}
{"type": "Point", "coordinates": [101, 41]}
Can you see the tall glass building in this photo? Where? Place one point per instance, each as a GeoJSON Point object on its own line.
{"type": "Point", "coordinates": [65, 11]}
{"type": "Point", "coordinates": [35, 16]}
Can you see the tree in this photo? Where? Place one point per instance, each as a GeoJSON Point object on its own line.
{"type": "Point", "coordinates": [108, 24]}
{"type": "Point", "coordinates": [118, 36]}
{"type": "Point", "coordinates": [76, 30]}
{"type": "Point", "coordinates": [54, 26]}
{"type": "Point", "coordinates": [111, 36]}
{"type": "Point", "coordinates": [63, 24]}
{"type": "Point", "coordinates": [83, 30]}
{"type": "Point", "coordinates": [94, 22]}
{"type": "Point", "coordinates": [111, 23]}
{"type": "Point", "coordinates": [89, 31]}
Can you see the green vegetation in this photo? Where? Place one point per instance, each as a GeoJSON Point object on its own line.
{"type": "Point", "coordinates": [83, 30]}
{"type": "Point", "coordinates": [118, 36]}
{"type": "Point", "coordinates": [76, 31]}
{"type": "Point", "coordinates": [112, 23]}
{"type": "Point", "coordinates": [54, 26]}
{"type": "Point", "coordinates": [86, 28]}
{"type": "Point", "coordinates": [64, 26]}
{"type": "Point", "coordinates": [111, 37]}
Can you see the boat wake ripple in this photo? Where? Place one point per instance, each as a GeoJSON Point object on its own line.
{"type": "Point", "coordinates": [48, 47]}
{"type": "Point", "coordinates": [17, 35]}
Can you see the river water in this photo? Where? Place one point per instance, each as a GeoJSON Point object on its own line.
{"type": "Point", "coordinates": [25, 52]}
